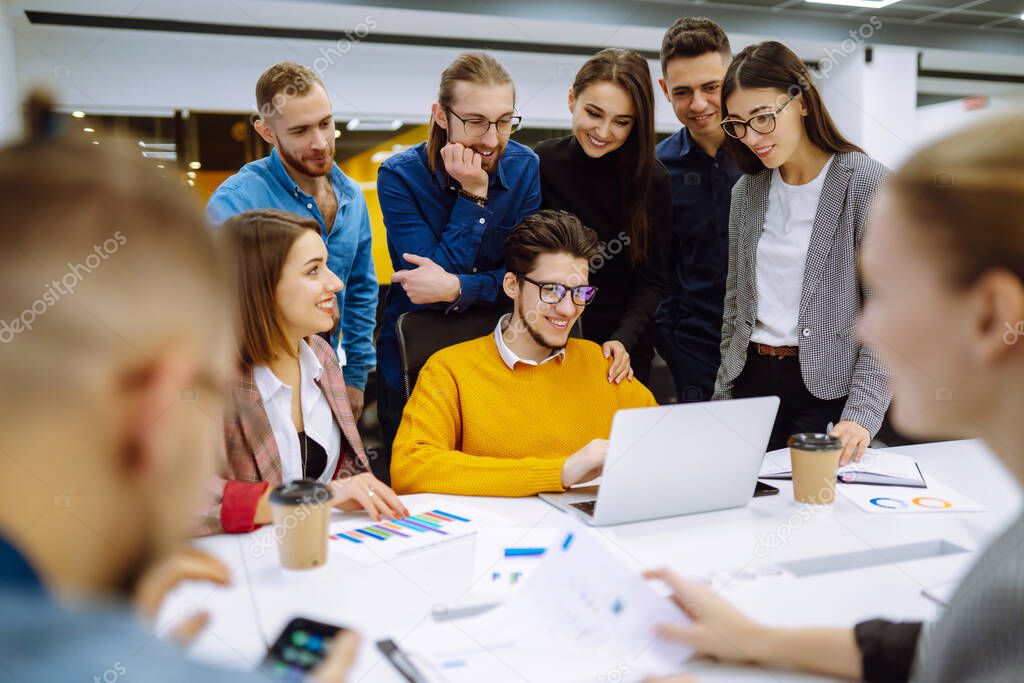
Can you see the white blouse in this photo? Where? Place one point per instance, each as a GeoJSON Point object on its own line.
{"type": "Point", "coordinates": [317, 417]}
{"type": "Point", "coordinates": [782, 255]}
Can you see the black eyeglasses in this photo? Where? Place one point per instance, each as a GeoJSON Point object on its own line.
{"type": "Point", "coordinates": [478, 127]}
{"type": "Point", "coordinates": [762, 123]}
{"type": "Point", "coordinates": [553, 292]}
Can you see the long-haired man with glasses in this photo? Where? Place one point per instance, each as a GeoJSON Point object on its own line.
{"type": "Point", "coordinates": [525, 409]}
{"type": "Point", "coordinates": [448, 205]}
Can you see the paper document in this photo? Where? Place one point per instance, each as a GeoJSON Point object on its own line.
{"type": "Point", "coordinates": [878, 467]}
{"type": "Point", "coordinates": [429, 525]}
{"type": "Point", "coordinates": [937, 498]}
{"type": "Point", "coordinates": [583, 616]}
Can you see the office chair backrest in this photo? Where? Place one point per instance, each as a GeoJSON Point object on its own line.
{"type": "Point", "coordinates": [421, 333]}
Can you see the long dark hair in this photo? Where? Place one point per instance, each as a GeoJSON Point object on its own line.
{"type": "Point", "coordinates": [773, 65]}
{"type": "Point", "coordinates": [629, 70]}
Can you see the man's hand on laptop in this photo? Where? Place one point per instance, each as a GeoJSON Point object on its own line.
{"type": "Point", "coordinates": [585, 464]}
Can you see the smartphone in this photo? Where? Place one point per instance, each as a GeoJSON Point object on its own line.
{"type": "Point", "coordinates": [763, 489]}
{"type": "Point", "coordinates": [299, 649]}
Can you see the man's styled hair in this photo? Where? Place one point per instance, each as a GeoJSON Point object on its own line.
{"type": "Point", "coordinates": [693, 37]}
{"type": "Point", "coordinates": [257, 242]}
{"type": "Point", "coordinates": [548, 232]}
{"type": "Point", "coordinates": [280, 83]}
{"type": "Point", "coordinates": [478, 68]}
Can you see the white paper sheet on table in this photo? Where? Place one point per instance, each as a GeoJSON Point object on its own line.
{"type": "Point", "coordinates": [403, 540]}
{"type": "Point", "coordinates": [496, 577]}
{"type": "Point", "coordinates": [937, 498]}
{"type": "Point", "coordinates": [582, 615]}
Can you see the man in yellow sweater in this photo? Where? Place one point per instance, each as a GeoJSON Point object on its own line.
{"type": "Point", "coordinates": [525, 409]}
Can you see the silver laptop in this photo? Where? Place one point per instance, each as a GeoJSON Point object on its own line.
{"type": "Point", "coordinates": [676, 460]}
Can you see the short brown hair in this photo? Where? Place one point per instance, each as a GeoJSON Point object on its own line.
{"type": "Point", "coordinates": [773, 65]}
{"type": "Point", "coordinates": [964, 192]}
{"type": "Point", "coordinates": [693, 37]}
{"type": "Point", "coordinates": [472, 67]}
{"type": "Point", "coordinates": [280, 83]}
{"type": "Point", "coordinates": [257, 242]}
{"type": "Point", "coordinates": [548, 232]}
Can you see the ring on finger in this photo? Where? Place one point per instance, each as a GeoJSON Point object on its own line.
{"type": "Point", "coordinates": [370, 493]}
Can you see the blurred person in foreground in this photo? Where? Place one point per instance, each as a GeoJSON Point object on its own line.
{"type": "Point", "coordinates": [116, 358]}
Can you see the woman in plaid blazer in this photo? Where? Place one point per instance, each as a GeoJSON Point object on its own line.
{"type": "Point", "coordinates": [273, 433]}
{"type": "Point", "coordinates": [793, 293]}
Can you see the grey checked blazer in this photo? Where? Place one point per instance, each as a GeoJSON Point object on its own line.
{"type": "Point", "coordinates": [832, 361]}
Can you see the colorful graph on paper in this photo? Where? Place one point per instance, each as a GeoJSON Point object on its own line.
{"type": "Point", "coordinates": [389, 538]}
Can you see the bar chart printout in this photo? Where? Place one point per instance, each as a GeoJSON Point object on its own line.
{"type": "Point", "coordinates": [426, 527]}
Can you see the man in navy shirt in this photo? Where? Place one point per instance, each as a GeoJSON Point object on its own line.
{"type": "Point", "coordinates": [694, 56]}
{"type": "Point", "coordinates": [300, 176]}
{"type": "Point", "coordinates": [448, 205]}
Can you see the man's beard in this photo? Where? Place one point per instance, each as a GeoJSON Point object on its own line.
{"type": "Point", "coordinates": [306, 169]}
{"type": "Point", "coordinates": [534, 334]}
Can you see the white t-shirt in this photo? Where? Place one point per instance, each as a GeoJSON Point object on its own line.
{"type": "Point", "coordinates": [317, 416]}
{"type": "Point", "coordinates": [781, 256]}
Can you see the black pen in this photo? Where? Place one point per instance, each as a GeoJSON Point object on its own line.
{"type": "Point", "coordinates": [400, 661]}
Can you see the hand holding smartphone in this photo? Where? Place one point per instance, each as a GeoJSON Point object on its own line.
{"type": "Point", "coordinates": [300, 648]}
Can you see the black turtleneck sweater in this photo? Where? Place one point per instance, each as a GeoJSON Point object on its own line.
{"type": "Point", "coordinates": [593, 189]}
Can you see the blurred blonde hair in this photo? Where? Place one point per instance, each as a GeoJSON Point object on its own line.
{"type": "Point", "coordinates": [966, 191]}
{"type": "Point", "coordinates": [101, 260]}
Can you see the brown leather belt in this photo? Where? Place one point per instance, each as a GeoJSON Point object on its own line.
{"type": "Point", "coordinates": [779, 352]}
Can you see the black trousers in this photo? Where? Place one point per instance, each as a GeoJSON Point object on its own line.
{"type": "Point", "coordinates": [693, 371]}
{"type": "Point", "coordinates": [390, 403]}
{"type": "Point", "coordinates": [799, 409]}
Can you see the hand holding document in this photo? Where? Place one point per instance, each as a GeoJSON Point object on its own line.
{"type": "Point", "coordinates": [582, 616]}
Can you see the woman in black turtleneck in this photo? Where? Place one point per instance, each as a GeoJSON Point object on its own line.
{"type": "Point", "coordinates": [606, 174]}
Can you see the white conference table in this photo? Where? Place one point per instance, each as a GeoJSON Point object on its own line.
{"type": "Point", "coordinates": [394, 598]}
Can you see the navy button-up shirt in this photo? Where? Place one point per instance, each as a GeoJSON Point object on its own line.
{"type": "Point", "coordinates": [265, 184]}
{"type": "Point", "coordinates": [691, 313]}
{"type": "Point", "coordinates": [424, 215]}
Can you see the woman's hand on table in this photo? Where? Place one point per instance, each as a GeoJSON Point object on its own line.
{"type": "Point", "coordinates": [365, 492]}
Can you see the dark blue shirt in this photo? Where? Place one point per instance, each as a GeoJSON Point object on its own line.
{"type": "Point", "coordinates": [42, 640]}
{"type": "Point", "coordinates": [424, 215]}
{"type": "Point", "coordinates": [691, 313]}
{"type": "Point", "coordinates": [265, 184]}
{"type": "Point", "coordinates": [15, 571]}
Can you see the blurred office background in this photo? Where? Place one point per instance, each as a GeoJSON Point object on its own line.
{"type": "Point", "coordinates": [178, 75]}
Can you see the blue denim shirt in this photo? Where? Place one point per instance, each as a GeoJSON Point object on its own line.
{"type": "Point", "coordinates": [424, 215]}
{"type": "Point", "coordinates": [265, 184]}
{"type": "Point", "coordinates": [691, 312]}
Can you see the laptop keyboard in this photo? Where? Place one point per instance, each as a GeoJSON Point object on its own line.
{"type": "Point", "coordinates": [586, 506]}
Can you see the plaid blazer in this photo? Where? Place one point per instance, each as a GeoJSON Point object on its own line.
{"type": "Point", "coordinates": [249, 452]}
{"type": "Point", "coordinates": [832, 361]}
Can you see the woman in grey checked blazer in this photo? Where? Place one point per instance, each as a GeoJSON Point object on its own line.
{"type": "Point", "coordinates": [944, 256]}
{"type": "Point", "coordinates": [796, 222]}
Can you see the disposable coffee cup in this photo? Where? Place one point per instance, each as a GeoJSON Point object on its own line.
{"type": "Point", "coordinates": [301, 513]}
{"type": "Point", "coordinates": [815, 459]}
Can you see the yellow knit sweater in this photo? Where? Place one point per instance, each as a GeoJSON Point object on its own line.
{"type": "Point", "coordinates": [474, 427]}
